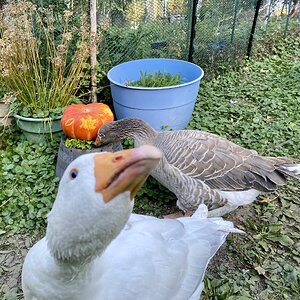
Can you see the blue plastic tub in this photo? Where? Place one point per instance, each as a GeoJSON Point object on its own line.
{"type": "Point", "coordinates": [162, 107]}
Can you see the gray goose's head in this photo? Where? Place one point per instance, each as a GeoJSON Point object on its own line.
{"type": "Point", "coordinates": [116, 131]}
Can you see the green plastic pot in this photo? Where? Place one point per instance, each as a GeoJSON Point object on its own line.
{"type": "Point", "coordinates": [39, 129]}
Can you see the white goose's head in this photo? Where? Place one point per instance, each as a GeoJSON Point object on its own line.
{"type": "Point", "coordinates": [95, 200]}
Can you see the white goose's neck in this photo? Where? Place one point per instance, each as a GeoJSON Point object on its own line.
{"type": "Point", "coordinates": [65, 279]}
{"type": "Point", "coordinates": [75, 270]}
{"type": "Point", "coordinates": [76, 237]}
{"type": "Point", "coordinates": [76, 258]}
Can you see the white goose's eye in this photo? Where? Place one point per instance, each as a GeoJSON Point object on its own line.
{"type": "Point", "coordinates": [73, 173]}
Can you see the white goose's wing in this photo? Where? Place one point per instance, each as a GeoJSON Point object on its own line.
{"type": "Point", "coordinates": [158, 259]}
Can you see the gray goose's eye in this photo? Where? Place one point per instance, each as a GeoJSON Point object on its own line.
{"type": "Point", "coordinates": [73, 173]}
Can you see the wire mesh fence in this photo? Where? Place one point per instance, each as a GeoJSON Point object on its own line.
{"type": "Point", "coordinates": [279, 16]}
{"type": "Point", "coordinates": [142, 28]}
{"type": "Point", "coordinates": [163, 28]}
{"type": "Point", "coordinates": [222, 32]}
{"type": "Point", "coordinates": [213, 34]}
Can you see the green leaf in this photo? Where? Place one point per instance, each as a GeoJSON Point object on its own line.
{"type": "Point", "coordinates": [286, 241]}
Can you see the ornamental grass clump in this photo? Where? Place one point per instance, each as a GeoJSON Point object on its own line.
{"type": "Point", "coordinates": [39, 64]}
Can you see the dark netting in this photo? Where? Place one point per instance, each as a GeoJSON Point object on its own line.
{"type": "Point", "coordinates": [278, 17]}
{"type": "Point", "coordinates": [222, 32]}
{"type": "Point", "coordinates": [133, 29]}
{"type": "Point", "coordinates": [163, 28]}
{"type": "Point", "coordinates": [141, 28]}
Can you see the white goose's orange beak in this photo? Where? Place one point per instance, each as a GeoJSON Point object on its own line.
{"type": "Point", "coordinates": [125, 170]}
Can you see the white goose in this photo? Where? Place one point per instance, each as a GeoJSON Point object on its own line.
{"type": "Point", "coordinates": [96, 249]}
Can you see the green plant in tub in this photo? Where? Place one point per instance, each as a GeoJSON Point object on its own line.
{"type": "Point", "coordinates": [157, 79]}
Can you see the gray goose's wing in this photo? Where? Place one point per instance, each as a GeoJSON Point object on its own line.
{"type": "Point", "coordinates": [218, 162]}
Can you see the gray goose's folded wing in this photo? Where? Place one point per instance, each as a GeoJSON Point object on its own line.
{"type": "Point", "coordinates": [220, 163]}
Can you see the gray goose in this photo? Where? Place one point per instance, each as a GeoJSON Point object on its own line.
{"type": "Point", "coordinates": [201, 167]}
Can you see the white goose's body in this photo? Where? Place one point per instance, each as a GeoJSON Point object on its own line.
{"type": "Point", "coordinates": [95, 249]}
{"type": "Point", "coordinates": [150, 259]}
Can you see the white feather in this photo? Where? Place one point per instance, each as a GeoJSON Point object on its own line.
{"type": "Point", "coordinates": [295, 169]}
{"type": "Point", "coordinates": [235, 199]}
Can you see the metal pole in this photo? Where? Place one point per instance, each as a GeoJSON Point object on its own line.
{"type": "Point", "coordinates": [287, 18]}
{"type": "Point", "coordinates": [258, 4]}
{"type": "Point", "coordinates": [268, 15]}
{"type": "Point", "coordinates": [93, 49]}
{"type": "Point", "coordinates": [193, 31]}
{"type": "Point", "coordinates": [103, 7]}
{"type": "Point", "coordinates": [235, 9]}
{"type": "Point", "coordinates": [299, 15]}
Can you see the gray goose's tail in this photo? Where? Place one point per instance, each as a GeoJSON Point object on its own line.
{"type": "Point", "coordinates": [286, 166]}
{"type": "Point", "coordinates": [292, 170]}
{"type": "Point", "coordinates": [272, 172]}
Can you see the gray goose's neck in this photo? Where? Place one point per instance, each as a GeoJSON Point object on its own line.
{"type": "Point", "coordinates": [140, 131]}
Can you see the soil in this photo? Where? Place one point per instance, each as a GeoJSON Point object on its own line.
{"type": "Point", "coordinates": [13, 249]}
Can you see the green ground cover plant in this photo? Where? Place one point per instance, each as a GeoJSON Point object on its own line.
{"type": "Point", "coordinates": [257, 106]}
{"type": "Point", "coordinates": [27, 183]}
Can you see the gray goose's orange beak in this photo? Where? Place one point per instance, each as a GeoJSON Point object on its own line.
{"type": "Point", "coordinates": [125, 170]}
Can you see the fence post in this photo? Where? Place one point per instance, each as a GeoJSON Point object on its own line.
{"type": "Point", "coordinates": [93, 49]}
{"type": "Point", "coordinates": [258, 4]}
{"type": "Point", "coordinates": [235, 9]}
{"type": "Point", "coordinates": [299, 15]}
{"type": "Point", "coordinates": [287, 18]}
{"type": "Point", "coordinates": [193, 30]}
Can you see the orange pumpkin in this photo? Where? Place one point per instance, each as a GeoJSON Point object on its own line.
{"type": "Point", "coordinates": [82, 121]}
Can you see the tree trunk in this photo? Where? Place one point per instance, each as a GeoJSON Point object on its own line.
{"type": "Point", "coordinates": [93, 50]}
